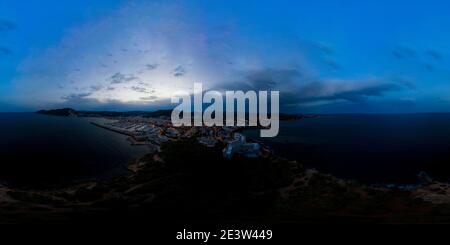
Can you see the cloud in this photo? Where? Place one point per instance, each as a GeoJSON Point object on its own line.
{"type": "Point", "coordinates": [337, 91]}
{"type": "Point", "coordinates": [298, 89]}
{"type": "Point", "coordinates": [74, 98]}
{"type": "Point", "coordinates": [269, 79]}
{"type": "Point", "coordinates": [436, 55]}
{"type": "Point", "coordinates": [95, 88]}
{"type": "Point", "coordinates": [148, 98]}
{"type": "Point", "coordinates": [324, 48]}
{"type": "Point", "coordinates": [430, 67]}
{"type": "Point", "coordinates": [181, 44]}
{"type": "Point", "coordinates": [6, 25]}
{"type": "Point", "coordinates": [121, 78]}
{"type": "Point", "coordinates": [332, 63]}
{"type": "Point", "coordinates": [407, 82]}
{"type": "Point", "coordinates": [84, 101]}
{"type": "Point", "coordinates": [5, 51]}
{"type": "Point", "coordinates": [151, 66]}
{"type": "Point", "coordinates": [139, 89]}
{"type": "Point", "coordinates": [186, 49]}
{"type": "Point", "coordinates": [402, 52]}
{"type": "Point", "coordinates": [179, 71]}
{"type": "Point", "coordinates": [324, 53]}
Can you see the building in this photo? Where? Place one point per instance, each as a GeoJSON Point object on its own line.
{"type": "Point", "coordinates": [207, 141]}
{"type": "Point", "coordinates": [239, 146]}
{"type": "Point", "coordinates": [251, 150]}
{"type": "Point", "coordinates": [172, 133]}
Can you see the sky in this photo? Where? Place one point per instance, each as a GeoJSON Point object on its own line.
{"type": "Point", "coordinates": [324, 56]}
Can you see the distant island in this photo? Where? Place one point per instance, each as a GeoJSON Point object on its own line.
{"type": "Point", "coordinates": [66, 112]}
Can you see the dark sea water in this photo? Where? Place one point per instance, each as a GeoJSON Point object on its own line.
{"type": "Point", "coordinates": [368, 148]}
{"type": "Point", "coordinates": [40, 150]}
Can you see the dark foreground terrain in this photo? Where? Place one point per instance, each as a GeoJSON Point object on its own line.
{"type": "Point", "coordinates": [190, 183]}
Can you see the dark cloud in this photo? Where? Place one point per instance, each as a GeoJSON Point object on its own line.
{"type": "Point", "coordinates": [5, 51]}
{"type": "Point", "coordinates": [6, 25]}
{"type": "Point", "coordinates": [337, 91]}
{"type": "Point", "coordinates": [296, 89]}
{"type": "Point", "coordinates": [333, 64]}
{"type": "Point", "coordinates": [360, 94]}
{"type": "Point", "coordinates": [143, 51]}
{"type": "Point", "coordinates": [263, 80]}
{"type": "Point", "coordinates": [152, 97]}
{"type": "Point", "coordinates": [435, 54]}
{"type": "Point", "coordinates": [179, 71]}
{"type": "Point", "coordinates": [74, 98]}
{"type": "Point", "coordinates": [430, 67]}
{"type": "Point", "coordinates": [266, 79]}
{"type": "Point", "coordinates": [151, 66]}
{"type": "Point", "coordinates": [324, 52]}
{"type": "Point", "coordinates": [139, 89]}
{"type": "Point", "coordinates": [404, 81]}
{"type": "Point", "coordinates": [269, 78]}
{"type": "Point", "coordinates": [95, 88]}
{"type": "Point", "coordinates": [143, 83]}
{"type": "Point", "coordinates": [121, 78]}
{"type": "Point", "coordinates": [80, 100]}
{"type": "Point", "coordinates": [324, 48]}
{"type": "Point", "coordinates": [402, 52]}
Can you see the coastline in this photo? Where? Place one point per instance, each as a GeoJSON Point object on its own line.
{"type": "Point", "coordinates": [162, 179]}
{"type": "Point", "coordinates": [111, 129]}
{"type": "Point", "coordinates": [162, 187]}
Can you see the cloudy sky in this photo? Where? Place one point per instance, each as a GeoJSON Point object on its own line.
{"type": "Point", "coordinates": [323, 56]}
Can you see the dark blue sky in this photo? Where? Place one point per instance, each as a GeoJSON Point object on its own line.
{"type": "Point", "coordinates": [323, 56]}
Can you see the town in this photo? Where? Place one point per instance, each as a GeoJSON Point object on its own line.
{"type": "Point", "coordinates": [155, 131]}
{"type": "Point", "coordinates": [258, 113]}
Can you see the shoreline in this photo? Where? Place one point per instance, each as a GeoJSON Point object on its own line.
{"type": "Point", "coordinates": [185, 172]}
{"type": "Point", "coordinates": [112, 129]}
{"type": "Point", "coordinates": [150, 176]}
{"type": "Point", "coordinates": [407, 186]}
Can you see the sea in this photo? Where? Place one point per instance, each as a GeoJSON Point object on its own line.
{"type": "Point", "coordinates": [42, 150]}
{"type": "Point", "coordinates": [368, 148]}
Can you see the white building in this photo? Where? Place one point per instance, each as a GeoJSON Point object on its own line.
{"type": "Point", "coordinates": [239, 145]}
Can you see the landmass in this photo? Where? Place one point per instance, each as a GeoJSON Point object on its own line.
{"type": "Point", "coordinates": [59, 112]}
{"type": "Point", "coordinates": [73, 112]}
{"type": "Point", "coordinates": [188, 178]}
{"type": "Point", "coordinates": [158, 114]}
{"type": "Point", "coordinates": [188, 182]}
